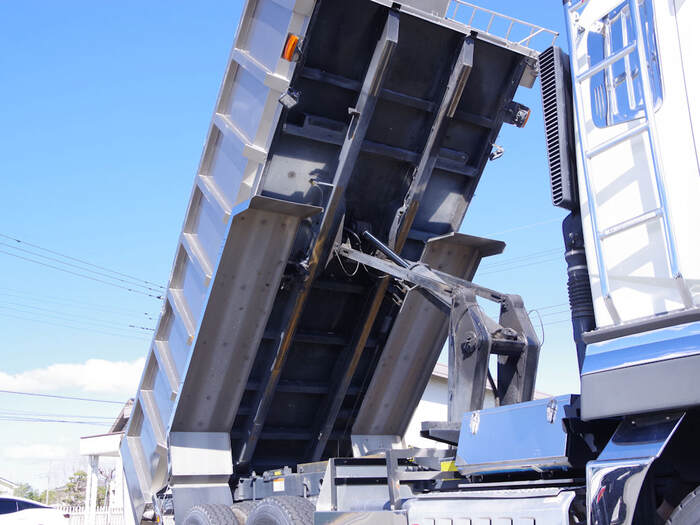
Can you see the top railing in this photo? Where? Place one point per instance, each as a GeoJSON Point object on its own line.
{"type": "Point", "coordinates": [512, 30]}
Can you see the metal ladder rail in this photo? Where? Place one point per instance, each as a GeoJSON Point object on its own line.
{"type": "Point", "coordinates": [648, 105]}
{"type": "Point", "coordinates": [578, 78]}
{"type": "Point", "coordinates": [649, 126]}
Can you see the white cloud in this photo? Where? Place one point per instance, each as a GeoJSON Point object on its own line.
{"type": "Point", "coordinates": [38, 451]}
{"type": "Point", "coordinates": [94, 375]}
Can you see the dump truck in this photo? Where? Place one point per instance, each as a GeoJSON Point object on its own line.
{"type": "Point", "coordinates": [320, 272]}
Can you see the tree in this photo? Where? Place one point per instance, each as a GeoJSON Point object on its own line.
{"type": "Point", "coordinates": [25, 490]}
{"type": "Point", "coordinates": [106, 476]}
{"type": "Point", "coordinates": [102, 496]}
{"type": "Point", "coordinates": [75, 488]}
{"type": "Point", "coordinates": [50, 499]}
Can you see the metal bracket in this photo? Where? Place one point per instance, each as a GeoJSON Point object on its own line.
{"type": "Point", "coordinates": [469, 352]}
{"type": "Point", "coordinates": [497, 152]}
{"type": "Point", "coordinates": [331, 221]}
{"type": "Point", "coordinates": [450, 100]}
{"type": "Point", "coordinates": [473, 335]}
{"type": "Point", "coordinates": [289, 98]}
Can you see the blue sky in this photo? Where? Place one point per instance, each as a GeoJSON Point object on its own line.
{"type": "Point", "coordinates": [105, 110]}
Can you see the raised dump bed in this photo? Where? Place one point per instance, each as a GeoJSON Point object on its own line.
{"type": "Point", "coordinates": [271, 351]}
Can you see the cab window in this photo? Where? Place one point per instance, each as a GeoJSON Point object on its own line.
{"type": "Point", "coordinates": [616, 92]}
{"type": "Point", "coordinates": [24, 505]}
{"type": "Point", "coordinates": [7, 506]}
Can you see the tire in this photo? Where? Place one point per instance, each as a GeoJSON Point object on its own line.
{"type": "Point", "coordinates": [688, 512]}
{"type": "Point", "coordinates": [282, 510]}
{"type": "Point", "coordinates": [242, 510]}
{"type": "Point", "coordinates": [210, 514]}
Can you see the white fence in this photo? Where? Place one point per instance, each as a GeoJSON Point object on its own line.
{"type": "Point", "coordinates": [103, 515]}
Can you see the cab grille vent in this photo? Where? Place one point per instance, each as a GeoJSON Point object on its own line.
{"type": "Point", "coordinates": [555, 82]}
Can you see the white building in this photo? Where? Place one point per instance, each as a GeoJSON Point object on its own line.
{"type": "Point", "coordinates": [7, 488]}
{"type": "Point", "coordinates": [107, 445]}
{"type": "Point", "coordinates": [433, 407]}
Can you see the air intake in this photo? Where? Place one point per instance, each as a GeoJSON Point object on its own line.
{"type": "Point", "coordinates": [555, 78]}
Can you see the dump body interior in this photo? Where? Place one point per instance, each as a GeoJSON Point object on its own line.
{"type": "Point", "coordinates": [307, 145]}
{"type": "Point", "coordinates": [281, 342]}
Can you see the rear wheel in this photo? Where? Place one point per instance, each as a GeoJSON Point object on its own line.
{"type": "Point", "coordinates": [242, 510]}
{"type": "Point", "coordinates": [282, 510]}
{"type": "Point", "coordinates": [688, 512]}
{"type": "Point", "coordinates": [211, 514]}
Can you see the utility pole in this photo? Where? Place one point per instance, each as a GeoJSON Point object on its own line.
{"type": "Point", "coordinates": [48, 482]}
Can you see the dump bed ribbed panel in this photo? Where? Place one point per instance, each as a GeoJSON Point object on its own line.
{"type": "Point", "coordinates": [232, 254]}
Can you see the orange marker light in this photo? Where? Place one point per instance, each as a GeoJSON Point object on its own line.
{"type": "Point", "coordinates": [290, 47]}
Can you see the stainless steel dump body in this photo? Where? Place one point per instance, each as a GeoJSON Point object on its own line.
{"type": "Point", "coordinates": [269, 350]}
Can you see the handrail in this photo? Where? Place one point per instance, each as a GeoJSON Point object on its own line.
{"type": "Point", "coordinates": [525, 42]}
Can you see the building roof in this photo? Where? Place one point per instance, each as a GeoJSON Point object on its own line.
{"type": "Point", "coordinates": [123, 417]}
{"type": "Point", "coordinates": [107, 444]}
{"type": "Point", "coordinates": [8, 483]}
{"type": "Point", "coordinates": [440, 370]}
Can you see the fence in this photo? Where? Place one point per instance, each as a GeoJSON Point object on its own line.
{"type": "Point", "coordinates": [103, 515]}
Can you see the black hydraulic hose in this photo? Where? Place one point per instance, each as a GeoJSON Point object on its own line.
{"type": "Point", "coordinates": [439, 302]}
{"type": "Point", "coordinates": [384, 249]}
{"type": "Point", "coordinates": [580, 298]}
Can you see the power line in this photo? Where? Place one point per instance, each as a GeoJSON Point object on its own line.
{"type": "Point", "coordinates": [72, 303]}
{"type": "Point", "coordinates": [558, 321]}
{"type": "Point", "coordinates": [81, 261]}
{"type": "Point", "coordinates": [103, 323]}
{"type": "Point", "coordinates": [556, 312]}
{"type": "Point", "coordinates": [76, 317]}
{"type": "Point", "coordinates": [550, 306]}
{"type": "Point", "coordinates": [83, 276]}
{"type": "Point", "coordinates": [515, 267]}
{"type": "Point", "coordinates": [42, 420]}
{"type": "Point", "coordinates": [82, 268]}
{"type": "Point", "coordinates": [29, 413]}
{"type": "Point", "coordinates": [56, 396]}
{"type": "Point", "coordinates": [524, 227]}
{"type": "Point", "coordinates": [79, 328]}
{"type": "Point", "coordinates": [514, 260]}
{"type": "Point", "coordinates": [87, 322]}
{"type": "Point", "coordinates": [531, 259]}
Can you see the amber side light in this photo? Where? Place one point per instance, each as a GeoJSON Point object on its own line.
{"type": "Point", "coordinates": [290, 47]}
